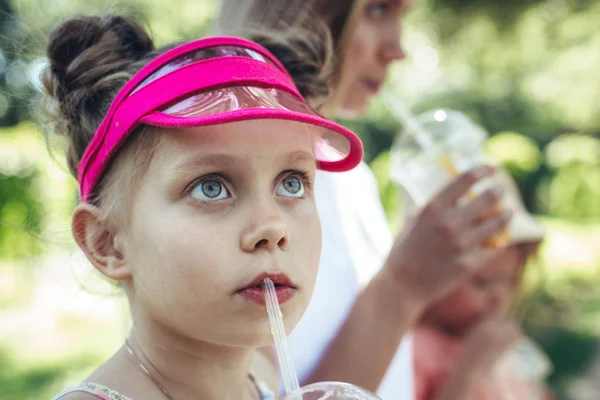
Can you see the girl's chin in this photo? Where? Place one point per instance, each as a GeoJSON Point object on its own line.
{"type": "Point", "coordinates": [260, 335]}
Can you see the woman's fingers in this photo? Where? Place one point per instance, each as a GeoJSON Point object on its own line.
{"type": "Point", "coordinates": [480, 208]}
{"type": "Point", "coordinates": [483, 232]}
{"type": "Point", "coordinates": [459, 187]}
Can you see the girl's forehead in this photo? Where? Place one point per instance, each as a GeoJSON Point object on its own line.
{"type": "Point", "coordinates": [265, 134]}
{"type": "Point", "coordinates": [248, 140]}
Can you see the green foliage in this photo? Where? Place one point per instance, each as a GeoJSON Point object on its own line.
{"type": "Point", "coordinates": [35, 194]}
{"type": "Point", "coordinates": [575, 192]}
{"type": "Point", "coordinates": [517, 153]}
{"type": "Point", "coordinates": [21, 381]}
{"type": "Point", "coordinates": [20, 212]}
{"type": "Point", "coordinates": [21, 202]}
{"type": "Point", "coordinates": [390, 193]}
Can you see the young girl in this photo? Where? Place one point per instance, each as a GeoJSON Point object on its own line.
{"type": "Point", "coordinates": [461, 337]}
{"type": "Point", "coordinates": [196, 170]}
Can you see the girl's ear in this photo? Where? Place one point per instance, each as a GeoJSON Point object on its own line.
{"type": "Point", "coordinates": [101, 245]}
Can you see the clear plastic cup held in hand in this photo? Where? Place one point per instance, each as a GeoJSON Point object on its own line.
{"type": "Point", "coordinates": [434, 149]}
{"type": "Point", "coordinates": [330, 391]}
{"type": "Point", "coordinates": [316, 391]}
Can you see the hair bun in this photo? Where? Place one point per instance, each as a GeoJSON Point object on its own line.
{"type": "Point", "coordinates": [91, 59]}
{"type": "Point", "coordinates": [83, 50]}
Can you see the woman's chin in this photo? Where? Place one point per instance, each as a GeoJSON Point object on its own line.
{"type": "Point", "coordinates": [353, 111]}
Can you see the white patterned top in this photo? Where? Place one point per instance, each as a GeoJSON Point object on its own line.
{"type": "Point", "coordinates": [105, 393]}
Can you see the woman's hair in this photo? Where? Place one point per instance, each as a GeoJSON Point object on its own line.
{"type": "Point", "coordinates": [331, 22]}
{"type": "Point", "coordinates": [90, 60]}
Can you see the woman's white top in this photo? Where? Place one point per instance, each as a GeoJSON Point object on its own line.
{"type": "Point", "coordinates": [356, 242]}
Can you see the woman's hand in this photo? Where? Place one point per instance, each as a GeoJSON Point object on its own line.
{"type": "Point", "coordinates": [442, 243]}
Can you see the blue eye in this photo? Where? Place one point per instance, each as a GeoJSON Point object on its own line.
{"type": "Point", "coordinates": [291, 186]}
{"type": "Point", "coordinates": [209, 190]}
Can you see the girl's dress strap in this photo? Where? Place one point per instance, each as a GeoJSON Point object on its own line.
{"type": "Point", "coordinates": [105, 393]}
{"type": "Point", "coordinates": [95, 389]}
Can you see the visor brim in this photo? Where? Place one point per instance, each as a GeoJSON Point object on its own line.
{"type": "Point", "coordinates": [337, 148]}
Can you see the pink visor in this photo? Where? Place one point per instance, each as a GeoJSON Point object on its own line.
{"type": "Point", "coordinates": [208, 82]}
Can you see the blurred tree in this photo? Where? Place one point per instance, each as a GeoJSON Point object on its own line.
{"type": "Point", "coordinates": [15, 91]}
{"type": "Point", "coordinates": [574, 191]}
{"type": "Point", "coordinates": [22, 184]}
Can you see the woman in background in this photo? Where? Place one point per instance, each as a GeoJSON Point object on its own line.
{"type": "Point", "coordinates": [370, 289]}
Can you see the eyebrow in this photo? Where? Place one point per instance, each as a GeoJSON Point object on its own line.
{"type": "Point", "coordinates": [203, 161]}
{"type": "Point", "coordinates": [298, 156]}
{"type": "Point", "coordinates": [213, 160]}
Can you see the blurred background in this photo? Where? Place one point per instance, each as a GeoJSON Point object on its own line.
{"type": "Point", "coordinates": [528, 71]}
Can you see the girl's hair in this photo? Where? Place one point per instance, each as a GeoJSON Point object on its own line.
{"type": "Point", "coordinates": [91, 59]}
{"type": "Point", "coordinates": [330, 21]}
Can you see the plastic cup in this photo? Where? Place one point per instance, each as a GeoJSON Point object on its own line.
{"type": "Point", "coordinates": [434, 150]}
{"type": "Point", "coordinates": [330, 391]}
{"type": "Point", "coordinates": [428, 156]}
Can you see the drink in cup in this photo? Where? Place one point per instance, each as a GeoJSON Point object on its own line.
{"type": "Point", "coordinates": [433, 150]}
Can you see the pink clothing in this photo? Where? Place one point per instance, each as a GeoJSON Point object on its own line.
{"type": "Point", "coordinates": [435, 357]}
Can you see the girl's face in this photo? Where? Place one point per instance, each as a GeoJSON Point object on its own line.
{"type": "Point", "coordinates": [487, 293]}
{"type": "Point", "coordinates": [218, 208]}
{"type": "Point", "coordinates": [376, 44]}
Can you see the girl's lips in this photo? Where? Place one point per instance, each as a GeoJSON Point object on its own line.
{"type": "Point", "coordinates": [257, 294]}
{"type": "Point", "coordinates": [254, 291]}
{"type": "Point", "coordinates": [278, 278]}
